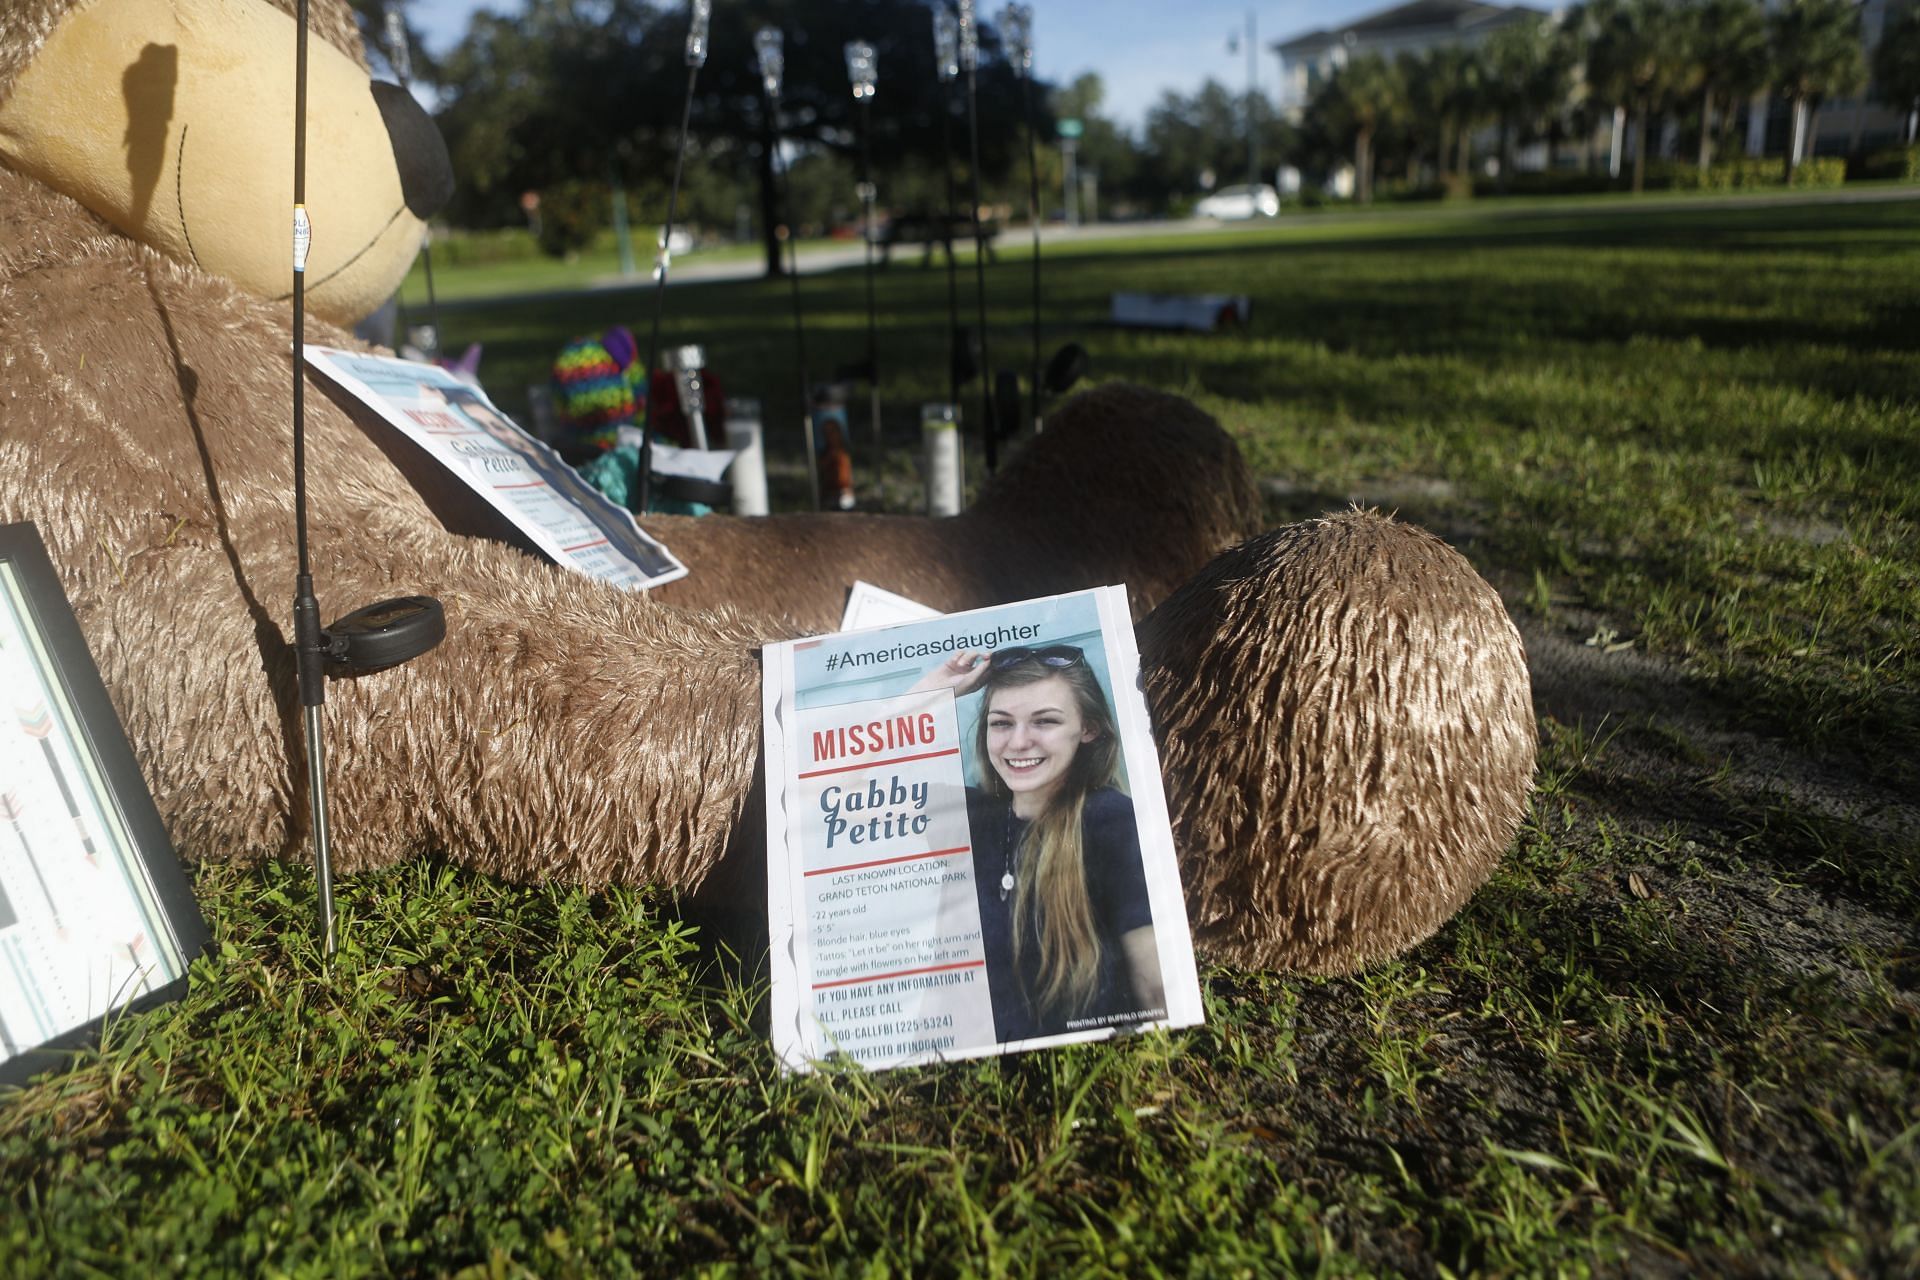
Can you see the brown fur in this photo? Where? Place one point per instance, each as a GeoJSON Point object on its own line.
{"type": "Point", "coordinates": [1346, 728]}
{"type": "Point", "coordinates": [1342, 706]}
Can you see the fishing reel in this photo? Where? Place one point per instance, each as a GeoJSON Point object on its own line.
{"type": "Point", "coordinates": [383, 635]}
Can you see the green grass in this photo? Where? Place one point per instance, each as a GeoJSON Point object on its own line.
{"type": "Point", "coordinates": [1678, 1032]}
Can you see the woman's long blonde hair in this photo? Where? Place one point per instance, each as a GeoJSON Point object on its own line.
{"type": "Point", "coordinates": [1051, 882]}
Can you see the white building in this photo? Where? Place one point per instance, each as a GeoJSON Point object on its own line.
{"type": "Point", "coordinates": [1308, 60]}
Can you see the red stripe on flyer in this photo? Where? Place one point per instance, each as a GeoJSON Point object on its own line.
{"type": "Point", "coordinates": [884, 862]}
{"type": "Point", "coordinates": [875, 764]}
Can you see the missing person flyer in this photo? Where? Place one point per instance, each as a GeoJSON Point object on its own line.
{"type": "Point", "coordinates": [549, 502]}
{"type": "Point", "coordinates": [968, 843]}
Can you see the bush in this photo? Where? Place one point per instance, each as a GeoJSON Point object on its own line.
{"type": "Point", "coordinates": [570, 214]}
{"type": "Point", "coordinates": [1449, 186]}
{"type": "Point", "coordinates": [1552, 182]}
{"type": "Point", "coordinates": [484, 248]}
{"type": "Point", "coordinates": [1745, 173]}
{"type": "Point", "coordinates": [1312, 196]}
{"type": "Point", "coordinates": [1895, 164]}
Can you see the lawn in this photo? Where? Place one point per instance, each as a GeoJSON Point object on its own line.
{"type": "Point", "coordinates": [1677, 1033]}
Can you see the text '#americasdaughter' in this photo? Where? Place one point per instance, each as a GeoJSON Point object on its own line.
{"type": "Point", "coordinates": [907, 652]}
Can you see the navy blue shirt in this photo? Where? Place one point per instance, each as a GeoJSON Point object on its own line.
{"type": "Point", "coordinates": [1116, 889]}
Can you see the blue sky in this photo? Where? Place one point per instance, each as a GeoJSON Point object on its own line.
{"type": "Point", "coordinates": [1141, 48]}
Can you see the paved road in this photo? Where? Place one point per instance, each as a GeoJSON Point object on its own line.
{"type": "Point", "coordinates": [692, 270]}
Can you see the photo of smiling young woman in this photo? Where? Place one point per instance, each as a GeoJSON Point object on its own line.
{"type": "Point", "coordinates": [1064, 914]}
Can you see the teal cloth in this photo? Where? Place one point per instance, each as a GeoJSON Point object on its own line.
{"type": "Point", "coordinates": [616, 473]}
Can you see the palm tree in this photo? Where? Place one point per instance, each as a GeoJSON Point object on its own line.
{"type": "Point", "coordinates": [1633, 61]}
{"type": "Point", "coordinates": [1529, 80]}
{"type": "Point", "coordinates": [1359, 100]}
{"type": "Point", "coordinates": [1896, 67]}
{"type": "Point", "coordinates": [1427, 105]}
{"type": "Point", "coordinates": [1447, 89]}
{"type": "Point", "coordinates": [1727, 45]}
{"type": "Point", "coordinates": [1816, 54]}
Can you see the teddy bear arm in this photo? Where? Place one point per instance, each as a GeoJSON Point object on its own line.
{"type": "Point", "coordinates": [1345, 720]}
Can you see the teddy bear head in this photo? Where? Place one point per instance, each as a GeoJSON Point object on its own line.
{"type": "Point", "coordinates": [173, 120]}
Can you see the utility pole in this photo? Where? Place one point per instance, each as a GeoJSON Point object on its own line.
{"type": "Point", "coordinates": [1253, 98]}
{"type": "Point", "coordinates": [1070, 129]}
{"type": "Point", "coordinates": [1253, 103]}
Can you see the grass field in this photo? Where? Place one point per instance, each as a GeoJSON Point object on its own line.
{"type": "Point", "coordinates": [1678, 1032]}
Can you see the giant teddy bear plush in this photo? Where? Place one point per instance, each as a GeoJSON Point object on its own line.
{"type": "Point", "coordinates": [1342, 706]}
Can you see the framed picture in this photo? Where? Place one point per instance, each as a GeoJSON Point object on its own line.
{"type": "Point", "coordinates": [95, 913]}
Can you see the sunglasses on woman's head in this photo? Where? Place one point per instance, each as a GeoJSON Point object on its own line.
{"type": "Point", "coordinates": [1054, 655]}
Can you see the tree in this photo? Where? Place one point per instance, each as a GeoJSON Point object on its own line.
{"type": "Point", "coordinates": [817, 109]}
{"type": "Point", "coordinates": [1529, 77]}
{"type": "Point", "coordinates": [1896, 67]}
{"type": "Point", "coordinates": [1730, 56]}
{"type": "Point", "coordinates": [564, 93]}
{"type": "Point", "coordinates": [1358, 101]}
{"type": "Point", "coordinates": [1816, 54]}
{"type": "Point", "coordinates": [1634, 61]}
{"type": "Point", "coordinates": [1186, 138]}
{"type": "Point", "coordinates": [1447, 87]}
{"type": "Point", "coordinates": [1190, 141]}
{"type": "Point", "coordinates": [1105, 151]}
{"type": "Point", "coordinates": [590, 91]}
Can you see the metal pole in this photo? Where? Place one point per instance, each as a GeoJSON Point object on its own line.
{"type": "Point", "coordinates": [969, 59]}
{"type": "Point", "coordinates": [768, 45]}
{"type": "Point", "coordinates": [941, 19]}
{"type": "Point", "coordinates": [1033, 215]}
{"type": "Point", "coordinates": [1253, 134]}
{"type": "Point", "coordinates": [782, 191]}
{"type": "Point", "coordinates": [696, 57]}
{"type": "Point", "coordinates": [1070, 180]}
{"type": "Point", "coordinates": [309, 660]}
{"type": "Point", "coordinates": [433, 301]}
{"type": "Point", "coordinates": [867, 194]}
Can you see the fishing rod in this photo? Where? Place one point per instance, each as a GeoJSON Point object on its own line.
{"type": "Point", "coordinates": [1016, 29]}
{"type": "Point", "coordinates": [860, 75]}
{"type": "Point", "coordinates": [699, 12]}
{"type": "Point", "coordinates": [970, 63]}
{"type": "Point", "coordinates": [768, 46]}
{"type": "Point", "coordinates": [370, 639]}
{"type": "Point", "coordinates": [946, 61]}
